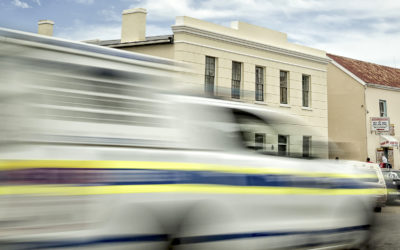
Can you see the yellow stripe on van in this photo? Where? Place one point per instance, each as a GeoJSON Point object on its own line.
{"type": "Point", "coordinates": [49, 190]}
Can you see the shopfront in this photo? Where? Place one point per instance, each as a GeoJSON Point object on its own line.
{"type": "Point", "coordinates": [388, 148]}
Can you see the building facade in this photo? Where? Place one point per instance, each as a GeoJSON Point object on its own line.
{"type": "Point", "coordinates": [363, 100]}
{"type": "Point", "coordinates": [244, 63]}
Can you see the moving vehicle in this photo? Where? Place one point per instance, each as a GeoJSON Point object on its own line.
{"type": "Point", "coordinates": [98, 152]}
{"type": "Point", "coordinates": [377, 179]}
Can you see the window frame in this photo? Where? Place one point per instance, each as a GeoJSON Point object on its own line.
{"type": "Point", "coordinates": [259, 83]}
{"type": "Point", "coordinates": [306, 93]}
{"type": "Point", "coordinates": [309, 146]}
{"type": "Point", "coordinates": [286, 144]}
{"type": "Point", "coordinates": [209, 88]}
{"type": "Point", "coordinates": [236, 79]}
{"type": "Point", "coordinates": [384, 112]}
{"type": "Point", "coordinates": [256, 143]}
{"type": "Point", "coordinates": [284, 88]}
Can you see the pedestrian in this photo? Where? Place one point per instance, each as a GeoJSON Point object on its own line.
{"type": "Point", "coordinates": [384, 161]}
{"type": "Point", "coordinates": [369, 160]}
{"type": "Point", "coordinates": [336, 158]}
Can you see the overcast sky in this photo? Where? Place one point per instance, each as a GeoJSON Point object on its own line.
{"type": "Point", "coordinates": [368, 30]}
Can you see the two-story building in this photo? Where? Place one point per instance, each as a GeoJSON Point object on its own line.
{"type": "Point", "coordinates": [363, 110]}
{"type": "Point", "coordinates": [245, 63]}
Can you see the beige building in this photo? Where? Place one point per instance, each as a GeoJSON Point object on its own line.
{"type": "Point", "coordinates": [244, 63]}
{"type": "Point", "coordinates": [363, 100]}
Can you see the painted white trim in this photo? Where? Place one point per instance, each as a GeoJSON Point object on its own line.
{"type": "Point", "coordinates": [46, 22]}
{"type": "Point", "coordinates": [242, 54]}
{"type": "Point", "coordinates": [134, 10]}
{"type": "Point", "coordinates": [247, 43]}
{"type": "Point", "coordinates": [379, 86]}
{"type": "Point", "coordinates": [307, 108]}
{"type": "Point", "coordinates": [261, 103]}
{"type": "Point", "coordinates": [348, 72]}
{"type": "Point", "coordinates": [284, 105]}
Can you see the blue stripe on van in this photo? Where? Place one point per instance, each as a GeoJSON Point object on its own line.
{"type": "Point", "coordinates": [104, 177]}
{"type": "Point", "coordinates": [82, 243]}
{"type": "Point", "coordinates": [237, 236]}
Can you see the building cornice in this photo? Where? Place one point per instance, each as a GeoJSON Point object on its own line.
{"type": "Point", "coordinates": [253, 56]}
{"type": "Point", "coordinates": [379, 86]}
{"type": "Point", "coordinates": [247, 43]}
{"type": "Point", "coordinates": [348, 72]}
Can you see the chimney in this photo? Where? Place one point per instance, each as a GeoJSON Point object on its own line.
{"type": "Point", "coordinates": [45, 27]}
{"type": "Point", "coordinates": [133, 25]}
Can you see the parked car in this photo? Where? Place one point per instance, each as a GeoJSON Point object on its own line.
{"type": "Point", "coordinates": [392, 179]}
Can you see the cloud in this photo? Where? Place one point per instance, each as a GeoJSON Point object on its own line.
{"type": "Point", "coordinates": [21, 4]}
{"type": "Point", "coordinates": [362, 29]}
{"type": "Point", "coordinates": [111, 15]}
{"type": "Point", "coordinates": [366, 30]}
{"type": "Point", "coordinates": [81, 32]}
{"type": "Point", "coordinates": [37, 2]}
{"type": "Point", "coordinates": [87, 2]}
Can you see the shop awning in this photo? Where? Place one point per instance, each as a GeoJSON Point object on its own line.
{"type": "Point", "coordinates": [389, 141]}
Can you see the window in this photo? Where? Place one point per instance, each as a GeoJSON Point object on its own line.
{"type": "Point", "coordinates": [284, 87]}
{"type": "Point", "coordinates": [259, 83]}
{"type": "Point", "coordinates": [306, 90]}
{"type": "Point", "coordinates": [236, 78]}
{"type": "Point", "coordinates": [259, 140]}
{"type": "Point", "coordinates": [283, 148]}
{"type": "Point", "coordinates": [306, 146]}
{"type": "Point", "coordinates": [209, 78]}
{"type": "Point", "coordinates": [382, 108]}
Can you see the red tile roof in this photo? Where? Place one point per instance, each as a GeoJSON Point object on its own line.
{"type": "Point", "coordinates": [370, 72]}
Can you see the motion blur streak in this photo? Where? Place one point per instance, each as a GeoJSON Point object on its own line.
{"type": "Point", "coordinates": [107, 149]}
{"type": "Point", "coordinates": [11, 165]}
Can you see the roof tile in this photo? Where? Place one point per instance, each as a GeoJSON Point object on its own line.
{"type": "Point", "coordinates": [370, 72]}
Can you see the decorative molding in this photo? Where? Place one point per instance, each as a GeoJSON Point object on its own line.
{"type": "Point", "coordinates": [307, 108]}
{"type": "Point", "coordinates": [284, 105]}
{"type": "Point", "coordinates": [379, 86]}
{"type": "Point", "coordinates": [258, 57]}
{"type": "Point", "coordinates": [247, 43]}
{"type": "Point", "coordinates": [348, 72]}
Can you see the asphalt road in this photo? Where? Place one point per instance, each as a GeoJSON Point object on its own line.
{"type": "Point", "coordinates": [386, 232]}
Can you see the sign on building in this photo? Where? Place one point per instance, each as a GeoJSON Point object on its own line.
{"type": "Point", "coordinates": [380, 124]}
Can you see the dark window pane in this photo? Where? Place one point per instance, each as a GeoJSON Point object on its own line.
{"type": "Point", "coordinates": [236, 78]}
{"type": "Point", "coordinates": [259, 84]}
{"type": "Point", "coordinates": [209, 77]}
{"type": "Point", "coordinates": [382, 108]}
{"type": "Point", "coordinates": [283, 87]}
{"type": "Point", "coordinates": [306, 90]}
{"type": "Point", "coordinates": [282, 139]}
{"type": "Point", "coordinates": [306, 146]}
{"type": "Point", "coordinates": [259, 141]}
{"type": "Point", "coordinates": [282, 150]}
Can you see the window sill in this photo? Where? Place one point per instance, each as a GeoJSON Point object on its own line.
{"type": "Point", "coordinates": [306, 108]}
{"type": "Point", "coordinates": [236, 99]}
{"type": "Point", "coordinates": [260, 102]}
{"type": "Point", "coordinates": [284, 105]}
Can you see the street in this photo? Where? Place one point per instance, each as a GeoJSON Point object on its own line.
{"type": "Point", "coordinates": [386, 233]}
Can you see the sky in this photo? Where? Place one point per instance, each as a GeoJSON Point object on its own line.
{"type": "Point", "coordinates": [367, 30]}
